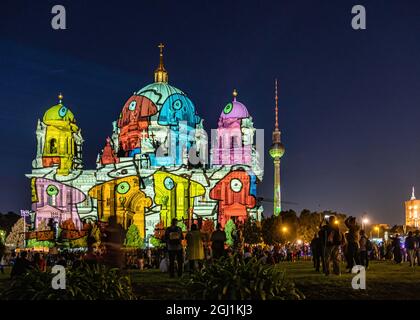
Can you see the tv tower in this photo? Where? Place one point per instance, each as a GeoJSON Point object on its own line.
{"type": "Point", "coordinates": [276, 152]}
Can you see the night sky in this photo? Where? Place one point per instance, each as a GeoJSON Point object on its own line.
{"type": "Point", "coordinates": [349, 100]}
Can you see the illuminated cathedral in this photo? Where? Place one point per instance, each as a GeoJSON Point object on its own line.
{"type": "Point", "coordinates": [154, 166]}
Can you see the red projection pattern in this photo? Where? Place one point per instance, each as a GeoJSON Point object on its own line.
{"type": "Point", "coordinates": [134, 121]}
{"type": "Point", "coordinates": [233, 193]}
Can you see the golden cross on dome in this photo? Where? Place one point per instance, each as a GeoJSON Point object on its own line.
{"type": "Point", "coordinates": [161, 46]}
{"type": "Point", "coordinates": [60, 97]}
{"type": "Point", "coordinates": [160, 73]}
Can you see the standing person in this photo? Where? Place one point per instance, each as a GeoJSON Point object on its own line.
{"type": "Point", "coordinates": [316, 252]}
{"type": "Point", "coordinates": [173, 238]}
{"type": "Point", "coordinates": [113, 238]}
{"type": "Point", "coordinates": [410, 245]}
{"type": "Point", "coordinates": [21, 266]}
{"type": "Point", "coordinates": [331, 240]}
{"type": "Point", "coordinates": [352, 238]}
{"type": "Point", "coordinates": [364, 248]}
{"type": "Point", "coordinates": [396, 244]}
{"type": "Point", "coordinates": [417, 251]}
{"type": "Point", "coordinates": [39, 262]}
{"type": "Point", "coordinates": [195, 248]}
{"type": "Point", "coordinates": [218, 239]}
{"type": "Point", "coordinates": [2, 256]}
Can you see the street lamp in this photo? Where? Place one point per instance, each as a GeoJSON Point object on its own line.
{"type": "Point", "coordinates": [284, 229]}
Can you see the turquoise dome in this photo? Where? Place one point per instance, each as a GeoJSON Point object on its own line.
{"type": "Point", "coordinates": [158, 92]}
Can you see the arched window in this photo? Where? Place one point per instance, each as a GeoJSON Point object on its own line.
{"type": "Point", "coordinates": [53, 146]}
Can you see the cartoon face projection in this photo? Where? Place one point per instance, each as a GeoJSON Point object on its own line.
{"type": "Point", "coordinates": [122, 198]}
{"type": "Point", "coordinates": [175, 195]}
{"type": "Point", "coordinates": [178, 108]}
{"type": "Point", "coordinates": [234, 193]}
{"type": "Point", "coordinates": [52, 199]}
{"type": "Point", "coordinates": [134, 121]}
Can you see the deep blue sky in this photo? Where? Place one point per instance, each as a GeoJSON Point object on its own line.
{"type": "Point", "coordinates": [349, 100]}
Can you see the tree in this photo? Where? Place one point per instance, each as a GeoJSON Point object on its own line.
{"type": "Point", "coordinates": [272, 230]}
{"type": "Point", "coordinates": [182, 226]}
{"type": "Point", "coordinates": [133, 239]}
{"type": "Point", "coordinates": [43, 226]}
{"type": "Point", "coordinates": [229, 228]}
{"type": "Point", "coordinates": [308, 225]}
{"type": "Point", "coordinates": [8, 220]}
{"type": "Point", "coordinates": [291, 221]}
{"type": "Point", "coordinates": [252, 231]}
{"type": "Point", "coordinates": [156, 243]}
{"type": "Point", "coordinates": [16, 236]}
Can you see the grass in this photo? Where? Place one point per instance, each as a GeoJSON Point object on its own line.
{"type": "Point", "coordinates": [384, 280]}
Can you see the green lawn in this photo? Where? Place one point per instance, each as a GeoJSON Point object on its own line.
{"type": "Point", "coordinates": [384, 280]}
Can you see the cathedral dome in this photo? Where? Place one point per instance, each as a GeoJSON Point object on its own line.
{"type": "Point", "coordinates": [234, 109]}
{"type": "Point", "coordinates": [59, 112]}
{"type": "Point", "coordinates": [158, 92]}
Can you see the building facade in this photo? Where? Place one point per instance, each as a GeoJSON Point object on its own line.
{"type": "Point", "coordinates": [152, 167]}
{"type": "Point", "coordinates": [412, 211]}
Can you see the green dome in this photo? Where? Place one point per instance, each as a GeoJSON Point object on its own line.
{"type": "Point", "coordinates": [158, 92]}
{"type": "Point", "coordinates": [277, 151]}
{"type": "Point", "coordinates": [59, 112]}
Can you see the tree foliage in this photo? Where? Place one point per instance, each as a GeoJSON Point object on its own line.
{"type": "Point", "coordinates": [229, 228]}
{"type": "Point", "coordinates": [16, 236]}
{"type": "Point", "coordinates": [252, 231]}
{"type": "Point", "coordinates": [271, 230]}
{"type": "Point", "coordinates": [133, 238]}
{"type": "Point", "coordinates": [8, 220]}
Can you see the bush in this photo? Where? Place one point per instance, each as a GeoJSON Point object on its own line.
{"type": "Point", "coordinates": [232, 278]}
{"type": "Point", "coordinates": [84, 283]}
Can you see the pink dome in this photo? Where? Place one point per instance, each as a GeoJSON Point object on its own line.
{"type": "Point", "coordinates": [234, 109]}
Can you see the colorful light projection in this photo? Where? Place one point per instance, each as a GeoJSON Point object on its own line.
{"type": "Point", "coordinates": [134, 123]}
{"type": "Point", "coordinates": [124, 199]}
{"type": "Point", "coordinates": [61, 144]}
{"type": "Point", "coordinates": [56, 201]}
{"type": "Point", "coordinates": [156, 117]}
{"type": "Point", "coordinates": [108, 154]}
{"type": "Point", "coordinates": [234, 195]}
{"type": "Point", "coordinates": [233, 144]}
{"type": "Point", "coordinates": [175, 195]}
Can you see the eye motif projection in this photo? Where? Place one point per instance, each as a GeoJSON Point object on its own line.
{"type": "Point", "coordinates": [234, 195]}
{"type": "Point", "coordinates": [175, 202]}
{"type": "Point", "coordinates": [228, 108]}
{"type": "Point", "coordinates": [52, 190]}
{"type": "Point", "coordinates": [123, 187]}
{"type": "Point", "coordinates": [132, 105]}
{"type": "Point", "coordinates": [178, 108]}
{"type": "Point", "coordinates": [236, 185]}
{"type": "Point", "coordinates": [177, 105]}
{"type": "Point", "coordinates": [123, 198]}
{"type": "Point", "coordinates": [169, 183]}
{"type": "Point", "coordinates": [54, 199]}
{"type": "Point", "coordinates": [62, 112]}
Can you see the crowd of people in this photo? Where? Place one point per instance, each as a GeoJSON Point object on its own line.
{"type": "Point", "coordinates": [330, 246]}
{"type": "Point", "coordinates": [188, 251]}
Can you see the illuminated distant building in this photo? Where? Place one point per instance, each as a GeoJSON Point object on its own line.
{"type": "Point", "coordinates": [412, 208]}
{"type": "Point", "coordinates": [276, 152]}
